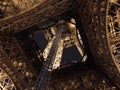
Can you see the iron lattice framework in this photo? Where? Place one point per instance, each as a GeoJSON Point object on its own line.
{"type": "Point", "coordinates": [15, 63]}
{"type": "Point", "coordinates": [97, 29]}
{"type": "Point", "coordinates": [59, 37]}
{"type": "Point", "coordinates": [40, 13]}
{"type": "Point", "coordinates": [99, 20]}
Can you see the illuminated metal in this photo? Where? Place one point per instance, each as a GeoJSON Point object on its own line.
{"type": "Point", "coordinates": [48, 48]}
{"type": "Point", "coordinates": [60, 36]}
{"type": "Point", "coordinates": [98, 17]}
{"type": "Point", "coordinates": [44, 78]}
{"type": "Point", "coordinates": [5, 81]}
{"type": "Point", "coordinates": [114, 30]}
{"type": "Point", "coordinates": [58, 56]}
{"type": "Point", "coordinates": [12, 7]}
{"type": "Point", "coordinates": [27, 13]}
{"type": "Point", "coordinates": [39, 13]}
{"type": "Point", "coordinates": [14, 62]}
{"type": "Point", "coordinates": [77, 39]}
{"type": "Point", "coordinates": [70, 37]}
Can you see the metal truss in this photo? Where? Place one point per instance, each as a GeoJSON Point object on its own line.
{"type": "Point", "coordinates": [15, 63]}
{"type": "Point", "coordinates": [61, 36]}
{"type": "Point", "coordinates": [45, 74]}
{"type": "Point", "coordinates": [40, 13]}
{"type": "Point", "coordinates": [12, 7]}
{"type": "Point", "coordinates": [5, 81]}
{"type": "Point", "coordinates": [114, 30]}
{"type": "Point", "coordinates": [99, 17]}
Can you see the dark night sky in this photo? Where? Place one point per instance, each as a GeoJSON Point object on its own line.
{"type": "Point", "coordinates": [69, 54]}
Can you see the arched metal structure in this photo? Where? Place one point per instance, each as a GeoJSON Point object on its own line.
{"type": "Point", "coordinates": [113, 30]}
{"type": "Point", "coordinates": [40, 13]}
{"type": "Point", "coordinates": [16, 65]}
{"type": "Point", "coordinates": [100, 26]}
{"type": "Point", "coordinates": [96, 17]}
{"type": "Point", "coordinates": [6, 82]}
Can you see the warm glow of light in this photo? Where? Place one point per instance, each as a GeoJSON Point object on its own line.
{"type": "Point", "coordinates": [113, 1]}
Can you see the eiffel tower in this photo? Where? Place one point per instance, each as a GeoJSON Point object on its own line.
{"type": "Point", "coordinates": [92, 26]}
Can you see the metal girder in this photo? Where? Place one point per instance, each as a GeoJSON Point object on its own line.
{"type": "Point", "coordinates": [99, 25]}
{"type": "Point", "coordinates": [40, 13]}
{"type": "Point", "coordinates": [44, 77]}
{"type": "Point", "coordinates": [5, 81]}
{"type": "Point", "coordinates": [94, 15]}
{"type": "Point", "coordinates": [57, 41]}
{"type": "Point", "coordinates": [14, 62]}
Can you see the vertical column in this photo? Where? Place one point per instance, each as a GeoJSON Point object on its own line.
{"type": "Point", "coordinates": [58, 56]}
{"type": "Point", "coordinates": [42, 82]}
{"type": "Point", "coordinates": [48, 48]}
